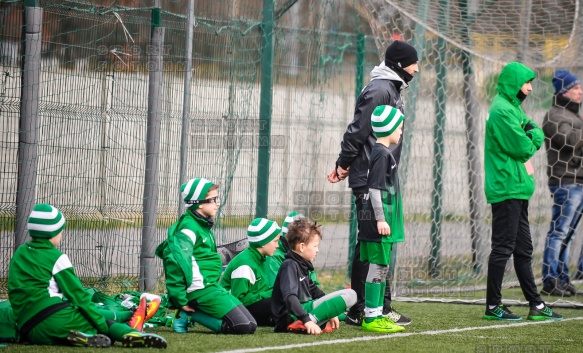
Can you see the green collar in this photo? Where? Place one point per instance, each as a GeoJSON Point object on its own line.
{"type": "Point", "coordinates": [257, 255]}
{"type": "Point", "coordinates": [40, 243]}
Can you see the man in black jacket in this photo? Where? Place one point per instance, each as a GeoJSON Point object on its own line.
{"type": "Point", "coordinates": [387, 81]}
{"type": "Point", "coordinates": [563, 127]}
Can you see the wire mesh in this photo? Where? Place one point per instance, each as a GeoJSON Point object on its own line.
{"type": "Point", "coordinates": [94, 105]}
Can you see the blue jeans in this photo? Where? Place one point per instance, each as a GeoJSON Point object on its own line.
{"type": "Point", "coordinates": [566, 213]}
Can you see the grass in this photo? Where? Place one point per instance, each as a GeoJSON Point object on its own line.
{"type": "Point", "coordinates": [427, 318]}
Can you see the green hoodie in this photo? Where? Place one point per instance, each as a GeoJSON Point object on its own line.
{"type": "Point", "coordinates": [507, 146]}
{"type": "Point", "coordinates": [191, 263]}
{"type": "Point", "coordinates": [247, 277]}
{"type": "Point", "coordinates": [40, 276]}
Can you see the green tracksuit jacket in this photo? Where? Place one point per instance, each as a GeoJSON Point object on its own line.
{"type": "Point", "coordinates": [191, 263]}
{"type": "Point", "coordinates": [507, 145]}
{"type": "Point", "coordinates": [40, 276]}
{"type": "Point", "coordinates": [247, 277]}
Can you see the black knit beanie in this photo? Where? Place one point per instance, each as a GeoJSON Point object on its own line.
{"type": "Point", "coordinates": [401, 53]}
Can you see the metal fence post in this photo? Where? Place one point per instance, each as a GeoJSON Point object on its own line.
{"type": "Point", "coordinates": [360, 49]}
{"type": "Point", "coordinates": [186, 101]}
{"type": "Point", "coordinates": [475, 170]}
{"type": "Point", "coordinates": [265, 106]}
{"type": "Point", "coordinates": [151, 179]}
{"type": "Point", "coordinates": [438, 144]}
{"type": "Point", "coordinates": [29, 117]}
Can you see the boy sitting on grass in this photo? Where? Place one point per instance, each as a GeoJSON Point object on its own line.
{"type": "Point", "coordinates": [247, 275]}
{"type": "Point", "coordinates": [274, 262]}
{"type": "Point", "coordinates": [298, 304]}
{"type": "Point", "coordinates": [49, 303]}
{"type": "Point", "coordinates": [193, 267]}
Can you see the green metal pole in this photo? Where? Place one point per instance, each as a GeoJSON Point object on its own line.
{"type": "Point", "coordinates": [411, 106]}
{"type": "Point", "coordinates": [360, 48]}
{"type": "Point", "coordinates": [265, 107]}
{"type": "Point", "coordinates": [410, 110]}
{"type": "Point", "coordinates": [477, 228]}
{"type": "Point", "coordinates": [438, 144]}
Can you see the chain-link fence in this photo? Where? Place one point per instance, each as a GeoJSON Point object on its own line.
{"type": "Point", "coordinates": [94, 114]}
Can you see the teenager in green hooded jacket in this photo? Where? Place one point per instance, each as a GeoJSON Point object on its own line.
{"type": "Point", "coordinates": [511, 141]}
{"type": "Point", "coordinates": [193, 267]}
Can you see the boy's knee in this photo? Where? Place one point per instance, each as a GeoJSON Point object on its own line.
{"type": "Point", "coordinates": [240, 328]}
{"type": "Point", "coordinates": [239, 321]}
{"type": "Point", "coordinates": [377, 273]}
{"type": "Point", "coordinates": [350, 298]}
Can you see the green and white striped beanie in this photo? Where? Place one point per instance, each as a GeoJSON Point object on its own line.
{"type": "Point", "coordinates": [385, 119]}
{"type": "Point", "coordinates": [261, 231]}
{"type": "Point", "coordinates": [292, 216]}
{"type": "Point", "coordinates": [195, 190]}
{"type": "Point", "coordinates": [45, 221]}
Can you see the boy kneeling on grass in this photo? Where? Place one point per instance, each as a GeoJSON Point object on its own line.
{"type": "Point", "coordinates": [49, 303]}
{"type": "Point", "coordinates": [298, 304]}
{"type": "Point", "coordinates": [247, 275]}
{"type": "Point", "coordinates": [193, 267]}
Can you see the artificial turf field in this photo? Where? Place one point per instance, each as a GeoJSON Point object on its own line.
{"type": "Point", "coordinates": [435, 328]}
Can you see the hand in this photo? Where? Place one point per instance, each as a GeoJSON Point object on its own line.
{"type": "Point", "coordinates": [313, 329]}
{"type": "Point", "coordinates": [337, 174]}
{"type": "Point", "coordinates": [529, 126]}
{"type": "Point", "coordinates": [188, 309]}
{"type": "Point", "coordinates": [335, 323]}
{"type": "Point", "coordinates": [383, 228]}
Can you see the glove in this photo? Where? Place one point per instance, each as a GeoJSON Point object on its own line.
{"type": "Point", "coordinates": [528, 128]}
{"type": "Point", "coordinates": [534, 133]}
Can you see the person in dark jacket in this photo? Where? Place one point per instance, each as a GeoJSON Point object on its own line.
{"type": "Point", "coordinates": [563, 128]}
{"type": "Point", "coordinates": [381, 222]}
{"type": "Point", "coordinates": [387, 82]}
{"type": "Point", "coordinates": [511, 141]}
{"type": "Point", "coordinates": [297, 303]}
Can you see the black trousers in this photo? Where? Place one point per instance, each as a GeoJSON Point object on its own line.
{"type": "Point", "coordinates": [511, 237]}
{"type": "Point", "coordinates": [261, 311]}
{"type": "Point", "coordinates": [360, 268]}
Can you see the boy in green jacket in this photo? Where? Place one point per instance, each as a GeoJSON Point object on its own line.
{"type": "Point", "coordinates": [49, 303]}
{"type": "Point", "coordinates": [511, 141]}
{"type": "Point", "coordinates": [247, 275]}
{"type": "Point", "coordinates": [193, 267]}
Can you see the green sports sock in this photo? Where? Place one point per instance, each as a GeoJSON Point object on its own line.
{"type": "Point", "coordinates": [115, 315]}
{"type": "Point", "coordinates": [372, 293]}
{"type": "Point", "coordinates": [329, 309]}
{"type": "Point", "coordinates": [210, 322]}
{"type": "Point", "coordinates": [382, 295]}
{"type": "Point", "coordinates": [117, 331]}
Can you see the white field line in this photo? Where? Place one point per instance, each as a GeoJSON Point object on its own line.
{"type": "Point", "coordinates": [396, 335]}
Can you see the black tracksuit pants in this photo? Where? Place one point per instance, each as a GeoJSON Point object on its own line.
{"type": "Point", "coordinates": [511, 237]}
